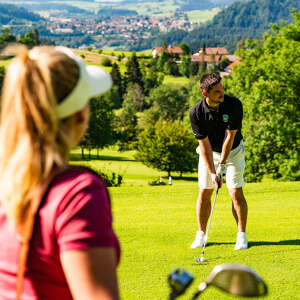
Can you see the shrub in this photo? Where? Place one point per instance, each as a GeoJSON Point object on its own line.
{"type": "Point", "coordinates": [106, 62]}
{"type": "Point", "coordinates": [110, 178]}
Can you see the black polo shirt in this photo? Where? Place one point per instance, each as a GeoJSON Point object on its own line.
{"type": "Point", "coordinates": [212, 123]}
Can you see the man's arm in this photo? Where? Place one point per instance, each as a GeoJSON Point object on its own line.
{"type": "Point", "coordinates": [227, 145]}
{"type": "Point", "coordinates": [207, 154]}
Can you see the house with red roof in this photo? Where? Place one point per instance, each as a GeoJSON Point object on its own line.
{"type": "Point", "coordinates": [214, 50]}
{"type": "Point", "coordinates": [206, 58]}
{"type": "Point", "coordinates": [174, 50]}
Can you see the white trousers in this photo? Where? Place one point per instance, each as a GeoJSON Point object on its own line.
{"type": "Point", "coordinates": [235, 166]}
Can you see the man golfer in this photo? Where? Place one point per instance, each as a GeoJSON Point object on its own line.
{"type": "Point", "coordinates": [216, 122]}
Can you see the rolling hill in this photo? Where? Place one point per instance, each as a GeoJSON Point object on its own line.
{"type": "Point", "coordinates": [10, 13]}
{"type": "Point", "coordinates": [234, 23]}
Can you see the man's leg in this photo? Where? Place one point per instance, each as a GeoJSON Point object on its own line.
{"type": "Point", "coordinates": [240, 212]}
{"type": "Point", "coordinates": [234, 181]}
{"type": "Point", "coordinates": [202, 211]}
{"type": "Point", "coordinates": [240, 208]}
{"type": "Point", "coordinates": [203, 208]}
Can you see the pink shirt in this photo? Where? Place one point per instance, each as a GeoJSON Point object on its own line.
{"type": "Point", "coordinates": [75, 214]}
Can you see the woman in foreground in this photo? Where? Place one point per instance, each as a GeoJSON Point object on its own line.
{"type": "Point", "coordinates": [73, 250]}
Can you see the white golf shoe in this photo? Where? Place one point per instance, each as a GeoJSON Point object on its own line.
{"type": "Point", "coordinates": [199, 240]}
{"type": "Point", "coordinates": [241, 241]}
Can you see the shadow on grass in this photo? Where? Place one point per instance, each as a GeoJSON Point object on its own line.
{"type": "Point", "coordinates": [77, 157]}
{"type": "Point", "coordinates": [281, 243]}
{"type": "Point", "coordinates": [186, 178]}
{"type": "Point", "coordinates": [261, 243]}
{"type": "Point", "coordinates": [219, 244]}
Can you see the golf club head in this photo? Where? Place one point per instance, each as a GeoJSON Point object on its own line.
{"type": "Point", "coordinates": [179, 280]}
{"type": "Point", "coordinates": [236, 279]}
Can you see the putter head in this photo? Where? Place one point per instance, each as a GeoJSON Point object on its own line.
{"type": "Point", "coordinates": [179, 280]}
{"type": "Point", "coordinates": [236, 279]}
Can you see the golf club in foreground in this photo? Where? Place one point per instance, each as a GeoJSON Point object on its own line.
{"type": "Point", "coordinates": [202, 259]}
{"type": "Point", "coordinates": [235, 279]}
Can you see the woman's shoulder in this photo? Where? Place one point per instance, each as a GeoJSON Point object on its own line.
{"type": "Point", "coordinates": [75, 175]}
{"type": "Point", "coordinates": [75, 180]}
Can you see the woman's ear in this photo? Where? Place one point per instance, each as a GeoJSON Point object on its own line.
{"type": "Point", "coordinates": [79, 116]}
{"type": "Point", "coordinates": [204, 93]}
{"type": "Point", "coordinates": [82, 115]}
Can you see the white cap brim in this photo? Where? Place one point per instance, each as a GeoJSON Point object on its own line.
{"type": "Point", "coordinates": [92, 81]}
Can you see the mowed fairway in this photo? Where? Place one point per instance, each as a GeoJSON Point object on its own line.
{"type": "Point", "coordinates": [156, 225]}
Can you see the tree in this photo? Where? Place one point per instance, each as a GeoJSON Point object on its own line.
{"type": "Point", "coordinates": [114, 98]}
{"type": "Point", "coordinates": [100, 131]}
{"type": "Point", "coordinates": [163, 58]}
{"type": "Point", "coordinates": [106, 62]}
{"type": "Point", "coordinates": [185, 48]}
{"type": "Point", "coordinates": [126, 128]}
{"type": "Point", "coordinates": [133, 73]}
{"type": "Point", "coordinates": [6, 37]}
{"type": "Point", "coordinates": [171, 67]}
{"type": "Point", "coordinates": [224, 63]}
{"type": "Point", "coordinates": [167, 146]}
{"type": "Point", "coordinates": [36, 36]}
{"type": "Point", "coordinates": [152, 79]}
{"type": "Point", "coordinates": [117, 79]}
{"type": "Point", "coordinates": [29, 39]}
{"type": "Point", "coordinates": [185, 66]}
{"type": "Point", "coordinates": [267, 82]}
{"type": "Point", "coordinates": [194, 68]}
{"type": "Point", "coordinates": [126, 123]}
{"type": "Point", "coordinates": [134, 97]}
{"type": "Point", "coordinates": [169, 101]}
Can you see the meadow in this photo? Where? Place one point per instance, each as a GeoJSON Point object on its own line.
{"type": "Point", "coordinates": [156, 225]}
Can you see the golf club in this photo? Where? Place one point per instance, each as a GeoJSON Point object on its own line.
{"type": "Point", "coordinates": [235, 279]}
{"type": "Point", "coordinates": [202, 259]}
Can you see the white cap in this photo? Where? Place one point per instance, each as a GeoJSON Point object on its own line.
{"type": "Point", "coordinates": [92, 81]}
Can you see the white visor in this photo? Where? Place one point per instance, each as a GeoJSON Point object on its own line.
{"type": "Point", "coordinates": [92, 81]}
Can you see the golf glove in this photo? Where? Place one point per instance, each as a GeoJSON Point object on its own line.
{"type": "Point", "coordinates": [221, 171]}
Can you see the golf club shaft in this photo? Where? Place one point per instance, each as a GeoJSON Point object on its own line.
{"type": "Point", "coordinates": [211, 213]}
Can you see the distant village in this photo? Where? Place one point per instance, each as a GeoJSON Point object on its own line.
{"type": "Point", "coordinates": [117, 30]}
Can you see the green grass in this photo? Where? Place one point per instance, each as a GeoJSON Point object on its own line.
{"type": "Point", "coordinates": [202, 16]}
{"type": "Point", "coordinates": [5, 62]}
{"type": "Point", "coordinates": [156, 225]}
{"type": "Point", "coordinates": [175, 80]}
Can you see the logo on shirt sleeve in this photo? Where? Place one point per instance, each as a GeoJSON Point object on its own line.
{"type": "Point", "coordinates": [225, 118]}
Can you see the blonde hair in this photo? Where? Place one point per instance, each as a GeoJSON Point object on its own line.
{"type": "Point", "coordinates": [33, 141]}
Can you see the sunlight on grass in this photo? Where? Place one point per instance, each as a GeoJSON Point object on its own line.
{"type": "Point", "coordinates": [156, 225]}
{"type": "Point", "coordinates": [175, 80]}
{"type": "Point", "coordinates": [202, 16]}
{"type": "Point", "coordinates": [5, 63]}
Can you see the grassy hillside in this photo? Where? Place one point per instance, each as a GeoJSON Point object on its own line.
{"type": "Point", "coordinates": [9, 12]}
{"type": "Point", "coordinates": [238, 21]}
